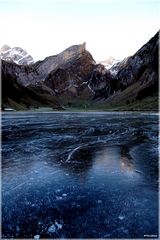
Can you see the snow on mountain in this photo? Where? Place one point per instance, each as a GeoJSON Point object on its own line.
{"type": "Point", "coordinates": [115, 67]}
{"type": "Point", "coordinates": [16, 54]}
{"type": "Point", "coordinates": [109, 62]}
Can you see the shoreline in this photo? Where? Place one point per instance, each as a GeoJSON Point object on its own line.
{"type": "Point", "coordinates": [84, 112]}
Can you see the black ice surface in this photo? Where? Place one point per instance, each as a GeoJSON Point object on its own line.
{"type": "Point", "coordinates": [79, 175]}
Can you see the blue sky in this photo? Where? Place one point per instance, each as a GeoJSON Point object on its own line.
{"type": "Point", "coordinates": [115, 28]}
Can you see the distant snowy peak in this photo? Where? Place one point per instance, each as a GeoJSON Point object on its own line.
{"type": "Point", "coordinates": [114, 69]}
{"type": "Point", "coordinates": [4, 48]}
{"type": "Point", "coordinates": [109, 62]}
{"type": "Point", "coordinates": [16, 54]}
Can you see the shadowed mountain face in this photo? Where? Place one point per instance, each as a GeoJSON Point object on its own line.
{"type": "Point", "coordinates": [136, 76]}
{"type": "Point", "coordinates": [20, 97]}
{"type": "Point", "coordinates": [73, 75]}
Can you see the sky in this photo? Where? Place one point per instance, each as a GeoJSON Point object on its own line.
{"type": "Point", "coordinates": [116, 28]}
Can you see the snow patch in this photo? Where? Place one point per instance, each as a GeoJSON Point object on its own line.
{"type": "Point", "coordinates": [58, 190]}
{"type": "Point", "coordinates": [55, 227]}
{"type": "Point", "coordinates": [121, 217]}
{"type": "Point", "coordinates": [36, 237]}
{"type": "Point", "coordinates": [113, 72]}
{"type": "Point", "coordinates": [90, 88]}
{"type": "Point", "coordinates": [52, 229]}
{"type": "Point", "coordinates": [58, 198]}
{"type": "Point", "coordinates": [59, 225]}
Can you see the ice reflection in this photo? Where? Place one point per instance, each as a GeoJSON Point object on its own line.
{"type": "Point", "coordinates": [115, 166]}
{"type": "Point", "coordinates": [113, 160]}
{"type": "Point", "coordinates": [126, 164]}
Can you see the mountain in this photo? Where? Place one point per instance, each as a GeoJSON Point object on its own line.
{"type": "Point", "coordinates": [19, 97]}
{"type": "Point", "coordinates": [63, 76]}
{"type": "Point", "coordinates": [16, 55]}
{"type": "Point", "coordinates": [70, 78]}
{"type": "Point", "coordinates": [136, 77]}
{"type": "Point", "coordinates": [73, 78]}
{"type": "Point", "coordinates": [116, 66]}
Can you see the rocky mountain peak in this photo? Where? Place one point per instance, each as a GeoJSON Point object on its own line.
{"type": "Point", "coordinates": [73, 51]}
{"type": "Point", "coordinates": [4, 48]}
{"type": "Point", "coordinates": [16, 55]}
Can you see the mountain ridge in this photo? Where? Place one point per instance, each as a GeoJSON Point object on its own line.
{"type": "Point", "coordinates": [74, 76]}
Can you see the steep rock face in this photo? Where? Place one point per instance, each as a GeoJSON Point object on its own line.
{"type": "Point", "coordinates": [102, 83]}
{"type": "Point", "coordinates": [98, 79]}
{"type": "Point", "coordinates": [143, 61]}
{"type": "Point", "coordinates": [73, 76]}
{"type": "Point", "coordinates": [20, 97]}
{"type": "Point", "coordinates": [142, 67]}
{"type": "Point", "coordinates": [16, 55]}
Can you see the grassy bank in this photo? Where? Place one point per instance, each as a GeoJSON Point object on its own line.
{"type": "Point", "coordinates": [147, 104]}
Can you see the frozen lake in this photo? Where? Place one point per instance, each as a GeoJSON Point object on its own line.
{"type": "Point", "coordinates": [79, 175]}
